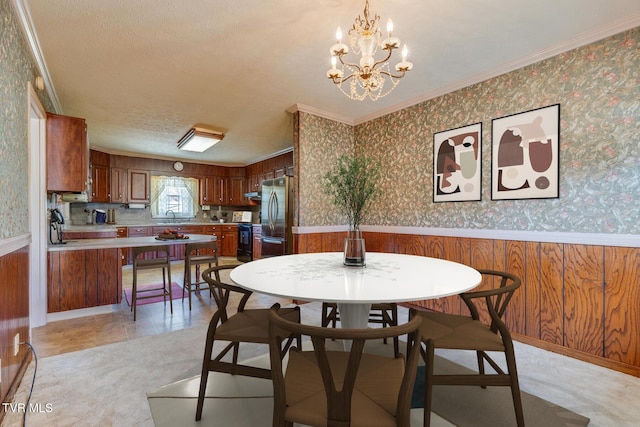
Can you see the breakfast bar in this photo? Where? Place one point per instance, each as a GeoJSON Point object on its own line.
{"type": "Point", "coordinates": [87, 273]}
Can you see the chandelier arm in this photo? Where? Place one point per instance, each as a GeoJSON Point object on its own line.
{"type": "Point", "coordinates": [399, 76]}
{"type": "Point", "coordinates": [382, 61]}
{"type": "Point", "coordinates": [339, 81]}
{"type": "Point", "coordinates": [349, 64]}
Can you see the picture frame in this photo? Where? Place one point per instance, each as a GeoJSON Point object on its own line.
{"type": "Point", "coordinates": [525, 161]}
{"type": "Point", "coordinates": [457, 164]}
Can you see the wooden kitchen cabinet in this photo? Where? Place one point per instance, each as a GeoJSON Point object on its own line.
{"type": "Point", "coordinates": [233, 191]}
{"type": "Point", "coordinates": [67, 154]}
{"type": "Point", "coordinates": [82, 279]}
{"type": "Point", "coordinates": [210, 190]}
{"type": "Point", "coordinates": [100, 184]}
{"type": "Point", "coordinates": [138, 183]}
{"type": "Point", "coordinates": [257, 242]}
{"type": "Point", "coordinates": [254, 183]}
{"type": "Point", "coordinates": [229, 245]}
{"type": "Point", "coordinates": [227, 237]}
{"type": "Point", "coordinates": [124, 252]}
{"type": "Point", "coordinates": [118, 178]}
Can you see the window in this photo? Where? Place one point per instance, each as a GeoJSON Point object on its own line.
{"type": "Point", "coordinates": [174, 194]}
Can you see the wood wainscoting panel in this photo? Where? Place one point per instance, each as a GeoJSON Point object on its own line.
{"type": "Point", "coordinates": [410, 244]}
{"type": "Point", "coordinates": [453, 251]}
{"type": "Point", "coordinates": [515, 264]}
{"type": "Point", "coordinates": [334, 242]}
{"type": "Point", "coordinates": [434, 248]}
{"type": "Point", "coordinates": [531, 283]}
{"type": "Point", "coordinates": [579, 300]}
{"type": "Point", "coordinates": [308, 243]}
{"type": "Point", "coordinates": [379, 242]}
{"type": "Point", "coordinates": [622, 307]}
{"type": "Point", "coordinates": [480, 256]}
{"type": "Point", "coordinates": [14, 318]}
{"type": "Point", "coordinates": [584, 298]}
{"type": "Point", "coordinates": [551, 292]}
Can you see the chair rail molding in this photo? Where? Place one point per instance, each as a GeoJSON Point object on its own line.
{"type": "Point", "coordinates": [624, 240]}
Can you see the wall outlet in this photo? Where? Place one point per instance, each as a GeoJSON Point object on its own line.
{"type": "Point", "coordinates": [16, 344]}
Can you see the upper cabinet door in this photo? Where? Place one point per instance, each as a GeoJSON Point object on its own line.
{"type": "Point", "coordinates": [139, 186]}
{"type": "Point", "coordinates": [67, 153]}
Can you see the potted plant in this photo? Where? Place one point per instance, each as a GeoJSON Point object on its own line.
{"type": "Point", "coordinates": [351, 183]}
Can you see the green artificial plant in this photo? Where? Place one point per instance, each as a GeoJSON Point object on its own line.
{"type": "Point", "coordinates": [352, 185]}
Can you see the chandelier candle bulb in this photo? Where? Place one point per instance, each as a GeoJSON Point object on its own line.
{"type": "Point", "coordinates": [389, 27]}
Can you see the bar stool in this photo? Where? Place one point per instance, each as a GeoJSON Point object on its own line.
{"type": "Point", "coordinates": [197, 254]}
{"type": "Point", "coordinates": [157, 260]}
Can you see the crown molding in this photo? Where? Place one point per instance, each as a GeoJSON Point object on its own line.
{"type": "Point", "coordinates": [583, 39]}
{"type": "Point", "coordinates": [320, 113]}
{"type": "Point", "coordinates": [24, 17]}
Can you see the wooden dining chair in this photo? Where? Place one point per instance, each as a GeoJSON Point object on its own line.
{"type": "Point", "coordinates": [456, 332]}
{"type": "Point", "coordinates": [322, 387]}
{"type": "Point", "coordinates": [385, 314]}
{"type": "Point", "coordinates": [235, 326]}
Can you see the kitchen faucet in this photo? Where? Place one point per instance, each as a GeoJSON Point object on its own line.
{"type": "Point", "coordinates": [172, 213]}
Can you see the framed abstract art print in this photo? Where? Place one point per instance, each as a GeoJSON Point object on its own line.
{"type": "Point", "coordinates": [525, 155]}
{"type": "Point", "coordinates": [457, 164]}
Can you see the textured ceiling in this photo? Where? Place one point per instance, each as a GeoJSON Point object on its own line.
{"type": "Point", "coordinates": [142, 72]}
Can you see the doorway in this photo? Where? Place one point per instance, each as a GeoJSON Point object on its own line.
{"type": "Point", "coordinates": [37, 212]}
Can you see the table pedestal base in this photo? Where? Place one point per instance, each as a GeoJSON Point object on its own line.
{"type": "Point", "coordinates": [353, 316]}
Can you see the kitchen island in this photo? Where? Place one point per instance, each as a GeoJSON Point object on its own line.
{"type": "Point", "coordinates": [87, 273]}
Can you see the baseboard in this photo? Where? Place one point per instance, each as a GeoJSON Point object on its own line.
{"type": "Point", "coordinates": [579, 355]}
{"type": "Point", "coordinates": [16, 383]}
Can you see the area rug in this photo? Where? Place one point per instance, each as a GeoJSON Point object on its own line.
{"type": "Point", "coordinates": [493, 406]}
{"type": "Point", "coordinates": [239, 401]}
{"type": "Point", "coordinates": [176, 292]}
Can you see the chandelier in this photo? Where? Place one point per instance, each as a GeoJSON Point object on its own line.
{"type": "Point", "coordinates": [370, 77]}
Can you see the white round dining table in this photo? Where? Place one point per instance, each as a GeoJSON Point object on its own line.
{"type": "Point", "coordinates": [387, 277]}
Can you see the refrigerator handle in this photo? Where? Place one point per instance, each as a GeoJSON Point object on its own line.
{"type": "Point", "coordinates": [272, 240]}
{"type": "Point", "coordinates": [273, 209]}
{"type": "Point", "coordinates": [270, 210]}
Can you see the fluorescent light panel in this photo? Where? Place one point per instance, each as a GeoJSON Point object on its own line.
{"type": "Point", "coordinates": [199, 140]}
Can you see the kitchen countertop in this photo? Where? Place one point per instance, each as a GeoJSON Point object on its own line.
{"type": "Point", "coordinates": [127, 242]}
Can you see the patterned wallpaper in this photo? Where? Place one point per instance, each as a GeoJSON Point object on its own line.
{"type": "Point", "coordinates": [598, 87]}
{"type": "Point", "coordinates": [314, 159]}
{"type": "Point", "coordinates": [16, 69]}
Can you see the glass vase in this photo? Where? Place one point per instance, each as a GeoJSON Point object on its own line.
{"type": "Point", "coordinates": [354, 252]}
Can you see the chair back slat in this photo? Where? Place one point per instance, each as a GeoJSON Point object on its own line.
{"type": "Point", "coordinates": [339, 386]}
{"type": "Point", "coordinates": [221, 291]}
{"type": "Point", "coordinates": [496, 299]}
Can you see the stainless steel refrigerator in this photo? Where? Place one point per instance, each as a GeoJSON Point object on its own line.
{"type": "Point", "coordinates": [277, 217]}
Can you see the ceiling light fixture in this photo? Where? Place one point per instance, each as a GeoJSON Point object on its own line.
{"type": "Point", "coordinates": [367, 78]}
{"type": "Point", "coordinates": [199, 139]}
